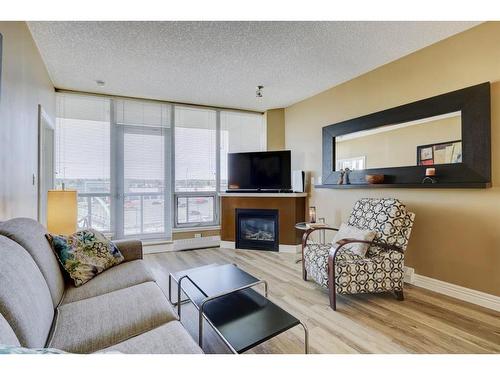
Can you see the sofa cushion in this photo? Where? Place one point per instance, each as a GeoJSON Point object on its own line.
{"type": "Point", "coordinates": [85, 254]}
{"type": "Point", "coordinates": [118, 277]}
{"type": "Point", "coordinates": [31, 235]}
{"type": "Point", "coordinates": [96, 323]}
{"type": "Point", "coordinates": [170, 338]}
{"type": "Point", "coordinates": [25, 299]}
{"type": "Point", "coordinates": [7, 335]}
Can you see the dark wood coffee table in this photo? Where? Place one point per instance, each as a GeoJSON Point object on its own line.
{"type": "Point", "coordinates": [241, 317]}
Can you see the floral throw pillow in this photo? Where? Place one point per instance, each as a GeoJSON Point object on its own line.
{"type": "Point", "coordinates": [85, 254]}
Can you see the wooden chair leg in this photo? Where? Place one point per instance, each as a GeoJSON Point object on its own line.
{"type": "Point", "coordinates": [399, 295]}
{"type": "Point", "coordinates": [333, 297]}
{"type": "Point", "coordinates": [332, 293]}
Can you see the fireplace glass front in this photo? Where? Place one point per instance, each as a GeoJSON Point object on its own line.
{"type": "Point", "coordinates": [257, 229]}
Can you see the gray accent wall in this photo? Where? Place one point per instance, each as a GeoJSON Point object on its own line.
{"type": "Point", "coordinates": [25, 83]}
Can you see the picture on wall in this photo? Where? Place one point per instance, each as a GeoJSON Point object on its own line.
{"type": "Point", "coordinates": [440, 153]}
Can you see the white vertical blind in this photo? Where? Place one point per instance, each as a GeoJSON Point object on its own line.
{"type": "Point", "coordinates": [239, 132]}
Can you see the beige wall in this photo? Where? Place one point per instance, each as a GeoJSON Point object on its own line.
{"type": "Point", "coordinates": [275, 119]}
{"type": "Point", "coordinates": [25, 84]}
{"type": "Point", "coordinates": [456, 237]}
{"type": "Point", "coordinates": [398, 147]}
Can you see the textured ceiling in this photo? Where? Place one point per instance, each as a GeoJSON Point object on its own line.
{"type": "Point", "coordinates": [221, 63]}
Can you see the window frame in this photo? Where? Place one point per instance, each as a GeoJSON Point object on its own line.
{"type": "Point", "coordinates": [119, 166]}
{"type": "Point", "coordinates": [189, 194]}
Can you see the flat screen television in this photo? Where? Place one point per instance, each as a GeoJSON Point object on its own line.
{"type": "Point", "coordinates": [269, 170]}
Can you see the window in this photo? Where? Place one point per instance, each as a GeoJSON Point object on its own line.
{"type": "Point", "coordinates": [195, 166]}
{"type": "Point", "coordinates": [118, 155]}
{"type": "Point", "coordinates": [195, 145]}
{"type": "Point", "coordinates": [356, 163]}
{"type": "Point", "coordinates": [143, 148]}
{"type": "Point", "coordinates": [83, 156]}
{"type": "Point", "coordinates": [119, 164]}
{"type": "Point", "coordinates": [201, 170]}
{"type": "Point", "coordinates": [239, 132]}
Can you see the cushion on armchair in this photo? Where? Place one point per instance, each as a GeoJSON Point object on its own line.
{"type": "Point", "coordinates": [347, 232]}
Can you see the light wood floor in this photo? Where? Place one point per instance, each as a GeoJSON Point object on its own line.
{"type": "Point", "coordinates": [425, 322]}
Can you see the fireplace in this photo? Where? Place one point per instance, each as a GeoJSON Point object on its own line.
{"type": "Point", "coordinates": [257, 229]}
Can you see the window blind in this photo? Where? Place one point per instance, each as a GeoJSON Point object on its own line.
{"type": "Point", "coordinates": [82, 159]}
{"type": "Point", "coordinates": [195, 149]}
{"type": "Point", "coordinates": [239, 132]}
{"type": "Point", "coordinates": [83, 143]}
{"type": "Point", "coordinates": [144, 146]}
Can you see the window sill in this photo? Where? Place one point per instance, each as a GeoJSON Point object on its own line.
{"type": "Point", "coordinates": [195, 229]}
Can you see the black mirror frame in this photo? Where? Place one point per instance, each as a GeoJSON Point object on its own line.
{"type": "Point", "coordinates": [475, 169]}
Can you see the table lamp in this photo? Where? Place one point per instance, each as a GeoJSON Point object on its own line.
{"type": "Point", "coordinates": [62, 211]}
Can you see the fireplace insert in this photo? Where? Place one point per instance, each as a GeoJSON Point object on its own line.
{"type": "Point", "coordinates": [257, 229]}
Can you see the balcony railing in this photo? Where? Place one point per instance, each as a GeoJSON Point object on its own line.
{"type": "Point", "coordinates": [143, 213]}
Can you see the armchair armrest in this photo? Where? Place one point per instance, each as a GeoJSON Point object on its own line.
{"type": "Point", "coordinates": [130, 249]}
{"type": "Point", "coordinates": [384, 246]}
{"type": "Point", "coordinates": [308, 232]}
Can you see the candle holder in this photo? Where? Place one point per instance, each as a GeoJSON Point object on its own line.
{"type": "Point", "coordinates": [312, 214]}
{"type": "Point", "coordinates": [430, 176]}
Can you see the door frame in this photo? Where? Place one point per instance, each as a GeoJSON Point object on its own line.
{"type": "Point", "coordinates": [45, 123]}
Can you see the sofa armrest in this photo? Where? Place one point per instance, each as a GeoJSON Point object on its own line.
{"type": "Point", "coordinates": [130, 249]}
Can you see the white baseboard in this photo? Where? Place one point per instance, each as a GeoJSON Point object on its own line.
{"type": "Point", "coordinates": [196, 243]}
{"type": "Point", "coordinates": [158, 247]}
{"type": "Point", "coordinates": [456, 291]}
{"type": "Point", "coordinates": [290, 249]}
{"type": "Point", "coordinates": [283, 248]}
{"type": "Point", "coordinates": [227, 244]}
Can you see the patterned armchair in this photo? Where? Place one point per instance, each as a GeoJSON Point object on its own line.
{"type": "Point", "coordinates": [381, 270]}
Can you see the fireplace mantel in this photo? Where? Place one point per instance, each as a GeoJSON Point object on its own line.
{"type": "Point", "coordinates": [264, 195]}
{"type": "Point", "coordinates": [291, 210]}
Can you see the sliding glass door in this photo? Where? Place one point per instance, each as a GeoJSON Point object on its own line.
{"type": "Point", "coordinates": [142, 173]}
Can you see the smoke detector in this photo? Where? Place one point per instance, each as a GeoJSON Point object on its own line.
{"type": "Point", "coordinates": [258, 91]}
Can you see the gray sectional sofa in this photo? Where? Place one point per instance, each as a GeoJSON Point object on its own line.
{"type": "Point", "coordinates": [122, 309]}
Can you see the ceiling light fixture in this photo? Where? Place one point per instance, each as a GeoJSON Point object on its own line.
{"type": "Point", "coordinates": [100, 83]}
{"type": "Point", "coordinates": [258, 91]}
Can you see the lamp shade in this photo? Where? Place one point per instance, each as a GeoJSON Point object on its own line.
{"type": "Point", "coordinates": [62, 211]}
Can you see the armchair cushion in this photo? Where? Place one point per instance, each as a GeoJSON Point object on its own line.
{"type": "Point", "coordinates": [388, 217]}
{"type": "Point", "coordinates": [356, 274]}
{"type": "Point", "coordinates": [346, 231]}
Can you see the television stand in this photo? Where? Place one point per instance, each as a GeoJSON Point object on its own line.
{"type": "Point", "coordinates": [259, 191]}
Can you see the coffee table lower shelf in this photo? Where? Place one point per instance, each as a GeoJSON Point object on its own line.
{"type": "Point", "coordinates": [242, 318]}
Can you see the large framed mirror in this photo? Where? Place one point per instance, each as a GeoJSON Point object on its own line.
{"type": "Point", "coordinates": [449, 133]}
